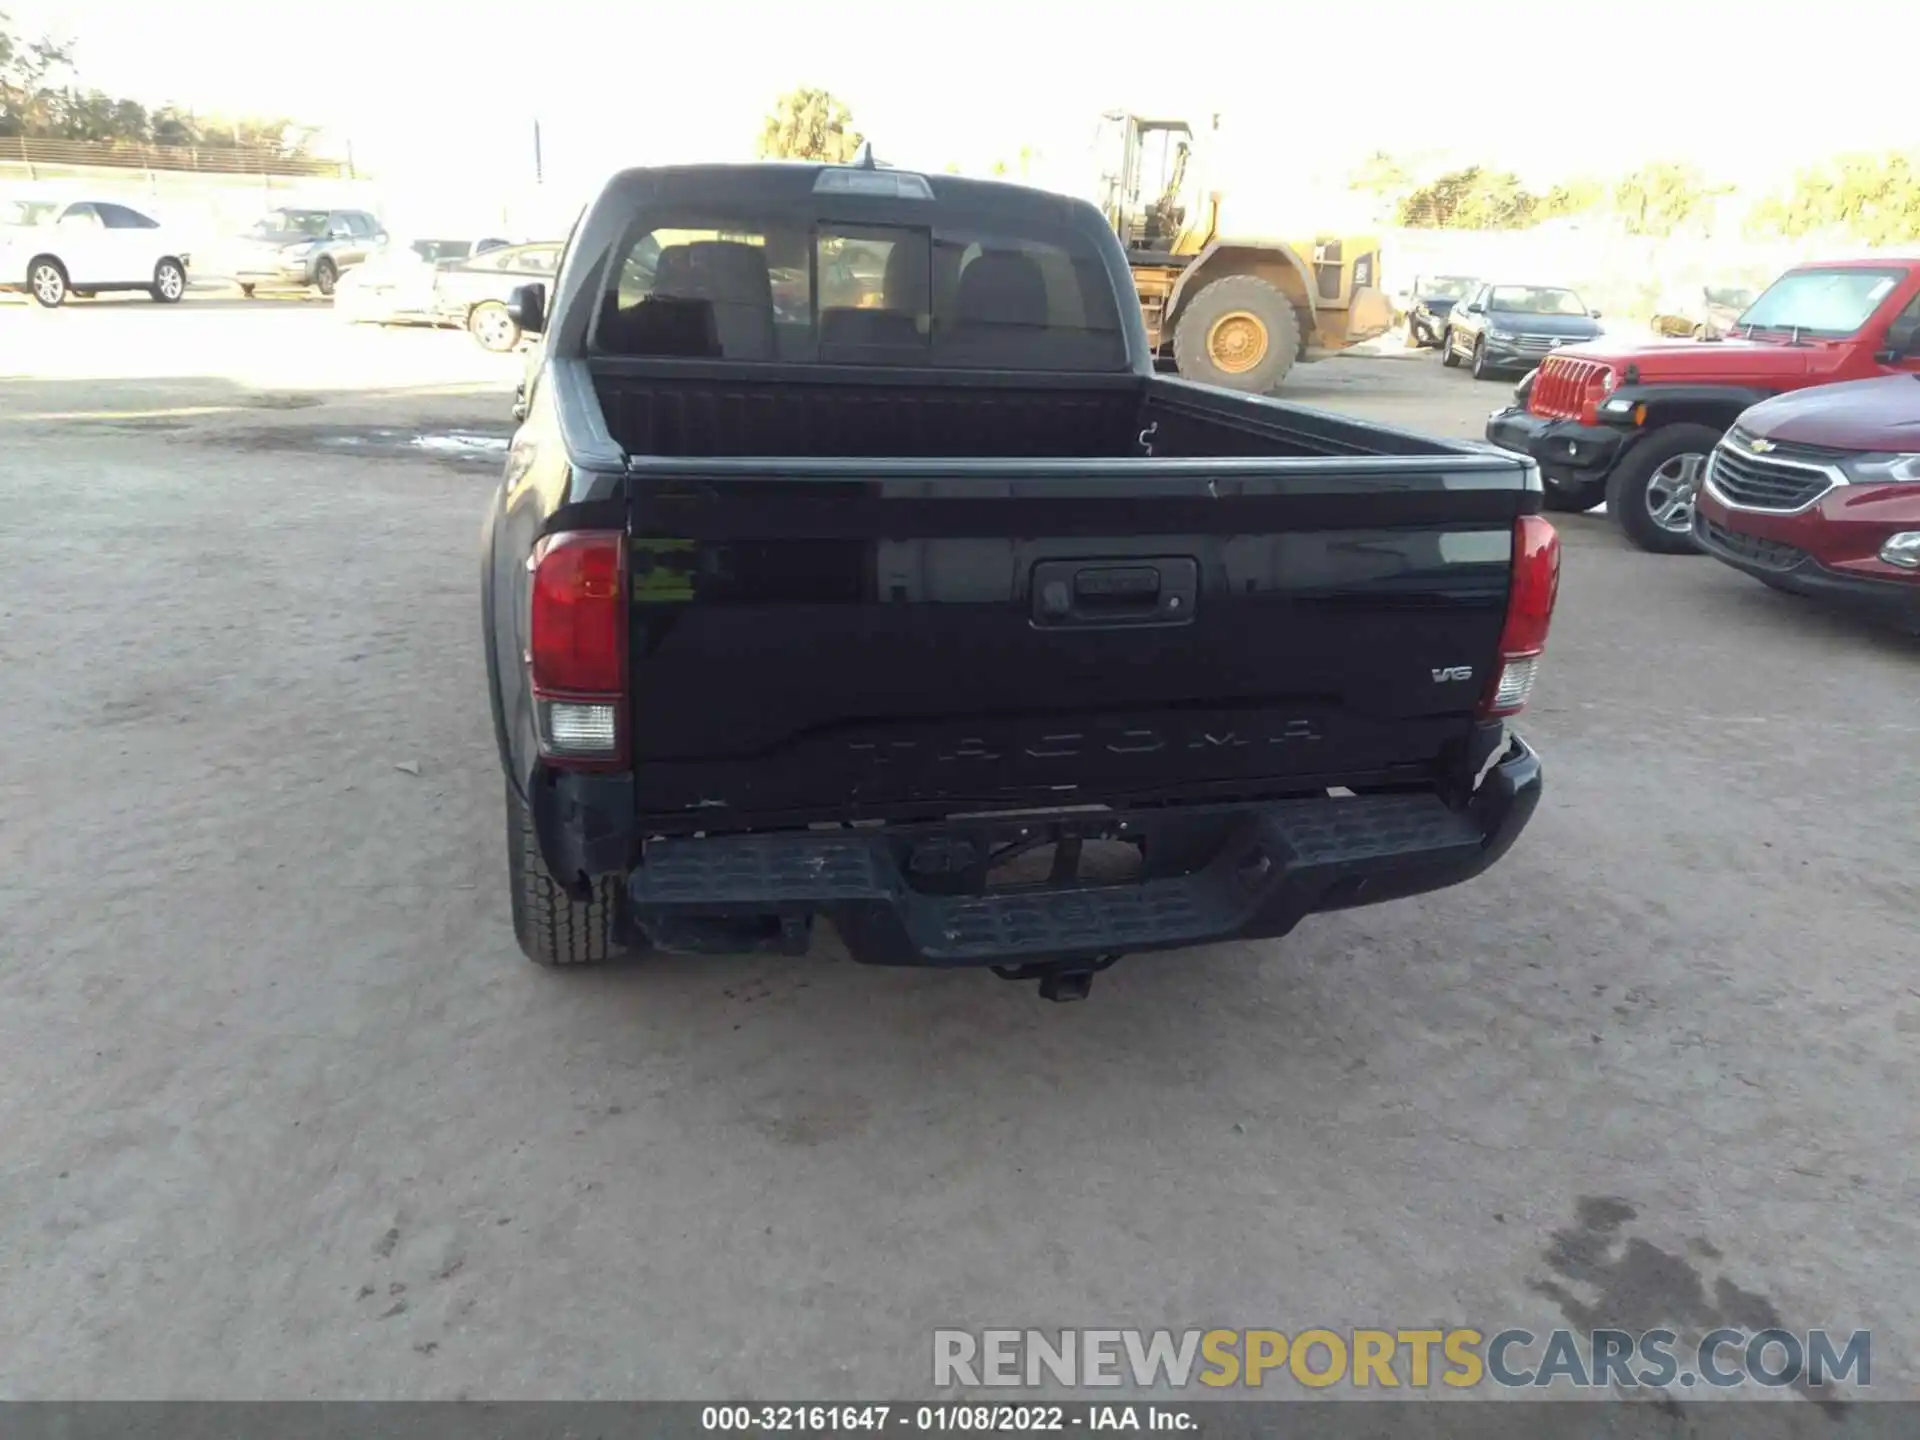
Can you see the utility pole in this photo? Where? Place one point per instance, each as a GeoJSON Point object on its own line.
{"type": "Point", "coordinates": [538, 174]}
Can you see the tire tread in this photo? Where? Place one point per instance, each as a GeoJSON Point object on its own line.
{"type": "Point", "coordinates": [553, 928]}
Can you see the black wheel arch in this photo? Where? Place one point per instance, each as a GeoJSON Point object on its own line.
{"type": "Point", "coordinates": [488, 539]}
{"type": "Point", "coordinates": [1718, 405]}
{"type": "Point", "coordinates": [1273, 261]}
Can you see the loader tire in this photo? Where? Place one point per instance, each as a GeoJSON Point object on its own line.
{"type": "Point", "coordinates": [1239, 333]}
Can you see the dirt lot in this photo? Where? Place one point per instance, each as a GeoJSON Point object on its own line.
{"type": "Point", "coordinates": [287, 1115]}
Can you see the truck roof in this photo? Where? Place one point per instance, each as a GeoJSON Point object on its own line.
{"type": "Point", "coordinates": [796, 178]}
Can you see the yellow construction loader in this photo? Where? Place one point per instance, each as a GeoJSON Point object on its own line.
{"type": "Point", "coordinates": [1228, 303]}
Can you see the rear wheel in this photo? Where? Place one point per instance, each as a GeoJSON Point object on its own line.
{"type": "Point", "coordinates": [325, 275]}
{"type": "Point", "coordinates": [493, 327]}
{"type": "Point", "coordinates": [1447, 357]}
{"type": "Point", "coordinates": [169, 282]}
{"type": "Point", "coordinates": [1239, 333]}
{"type": "Point", "coordinates": [47, 279]}
{"type": "Point", "coordinates": [1652, 491]}
{"type": "Point", "coordinates": [554, 928]}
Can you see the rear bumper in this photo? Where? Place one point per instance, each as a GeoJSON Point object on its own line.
{"type": "Point", "coordinates": [1559, 446]}
{"type": "Point", "coordinates": [912, 897]}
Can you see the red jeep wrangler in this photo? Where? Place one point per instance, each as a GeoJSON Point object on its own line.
{"type": "Point", "coordinates": [1634, 426]}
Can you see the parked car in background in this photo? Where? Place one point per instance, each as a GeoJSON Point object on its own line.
{"type": "Point", "coordinates": [399, 284]}
{"type": "Point", "coordinates": [1701, 312]}
{"type": "Point", "coordinates": [1512, 327]}
{"type": "Point", "coordinates": [1634, 425]}
{"type": "Point", "coordinates": [472, 292]}
{"type": "Point", "coordinates": [1431, 301]}
{"type": "Point", "coordinates": [293, 248]}
{"type": "Point", "coordinates": [1818, 492]}
{"type": "Point", "coordinates": [52, 249]}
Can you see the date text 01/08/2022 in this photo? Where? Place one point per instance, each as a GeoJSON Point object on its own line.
{"type": "Point", "coordinates": [947, 1417]}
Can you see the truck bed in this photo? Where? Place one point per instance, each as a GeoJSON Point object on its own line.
{"type": "Point", "coordinates": [888, 599]}
{"type": "Point", "coordinates": [805, 415]}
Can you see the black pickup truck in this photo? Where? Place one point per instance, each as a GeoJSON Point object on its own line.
{"type": "Point", "coordinates": [852, 562]}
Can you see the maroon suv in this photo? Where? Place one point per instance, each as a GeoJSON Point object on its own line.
{"type": "Point", "coordinates": [1818, 492]}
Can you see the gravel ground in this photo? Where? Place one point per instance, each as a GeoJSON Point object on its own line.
{"type": "Point", "coordinates": [286, 1114]}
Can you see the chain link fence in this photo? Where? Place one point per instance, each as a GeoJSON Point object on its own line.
{"type": "Point", "coordinates": [53, 159]}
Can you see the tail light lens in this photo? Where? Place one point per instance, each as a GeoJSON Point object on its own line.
{"type": "Point", "coordinates": [577, 646]}
{"type": "Point", "coordinates": [1530, 596]}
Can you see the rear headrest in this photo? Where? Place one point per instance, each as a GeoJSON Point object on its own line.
{"type": "Point", "coordinates": [727, 284]}
{"type": "Point", "coordinates": [1001, 287]}
{"type": "Point", "coordinates": [725, 271]}
{"type": "Point", "coordinates": [673, 271]}
{"type": "Point", "coordinates": [906, 285]}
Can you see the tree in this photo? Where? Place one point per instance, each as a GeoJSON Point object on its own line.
{"type": "Point", "coordinates": [1470, 199]}
{"type": "Point", "coordinates": [39, 100]}
{"type": "Point", "coordinates": [1573, 197]}
{"type": "Point", "coordinates": [1019, 168]}
{"type": "Point", "coordinates": [809, 125]}
{"type": "Point", "coordinates": [1658, 199]}
{"type": "Point", "coordinates": [1387, 180]}
{"type": "Point", "coordinates": [28, 70]}
{"type": "Point", "coordinates": [97, 116]}
{"type": "Point", "coordinates": [1874, 199]}
{"type": "Point", "coordinates": [1381, 174]}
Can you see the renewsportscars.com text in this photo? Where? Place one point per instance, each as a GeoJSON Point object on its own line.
{"type": "Point", "coordinates": [1396, 1359]}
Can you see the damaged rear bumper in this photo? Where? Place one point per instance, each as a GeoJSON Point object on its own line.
{"type": "Point", "coordinates": [917, 895]}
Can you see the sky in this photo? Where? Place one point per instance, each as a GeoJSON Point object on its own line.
{"type": "Point", "coordinates": [1549, 88]}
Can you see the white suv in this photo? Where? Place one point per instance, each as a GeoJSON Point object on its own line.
{"type": "Point", "coordinates": [52, 249]}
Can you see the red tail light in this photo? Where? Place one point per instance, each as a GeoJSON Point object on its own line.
{"type": "Point", "coordinates": [577, 645]}
{"type": "Point", "coordinates": [1530, 595]}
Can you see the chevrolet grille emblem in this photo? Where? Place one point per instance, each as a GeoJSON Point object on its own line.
{"type": "Point", "coordinates": [1760, 447]}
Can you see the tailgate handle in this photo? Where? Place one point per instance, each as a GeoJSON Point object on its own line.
{"type": "Point", "coordinates": [1117, 585]}
{"type": "Point", "coordinates": [1076, 593]}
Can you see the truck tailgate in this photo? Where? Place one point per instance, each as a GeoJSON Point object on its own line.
{"type": "Point", "coordinates": [839, 638]}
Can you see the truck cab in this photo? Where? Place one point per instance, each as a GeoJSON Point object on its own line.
{"type": "Point", "coordinates": [1634, 425]}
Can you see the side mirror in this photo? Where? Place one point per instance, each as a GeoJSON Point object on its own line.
{"type": "Point", "coordinates": [528, 307]}
{"type": "Point", "coordinates": [1594, 313]}
{"type": "Point", "coordinates": [1476, 308]}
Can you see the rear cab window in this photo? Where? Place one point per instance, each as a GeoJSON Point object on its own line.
{"type": "Point", "coordinates": [839, 279]}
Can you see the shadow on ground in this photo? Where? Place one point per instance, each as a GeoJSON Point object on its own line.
{"type": "Point", "coordinates": [465, 424]}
